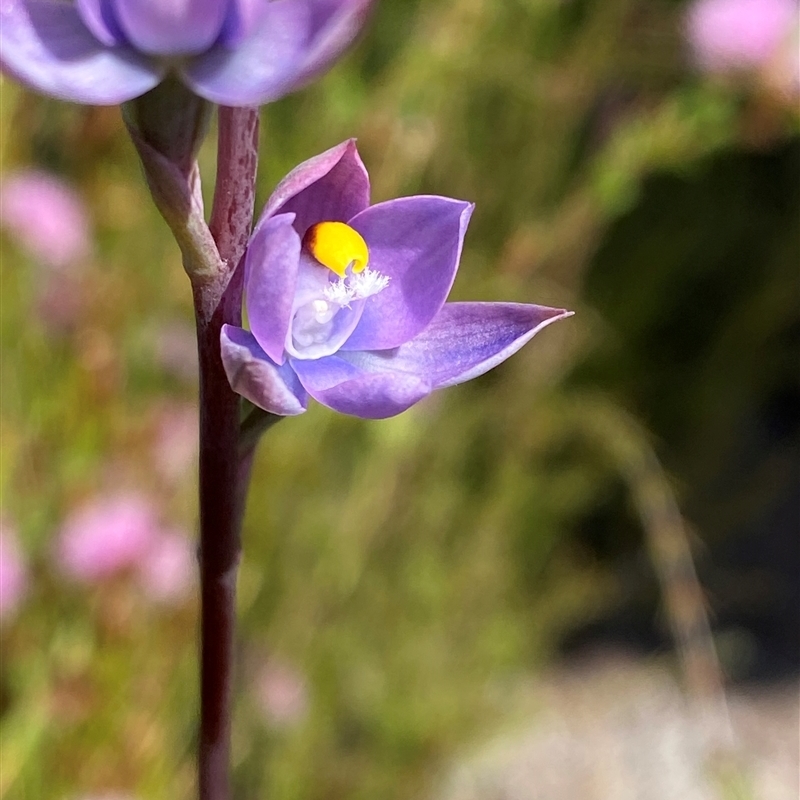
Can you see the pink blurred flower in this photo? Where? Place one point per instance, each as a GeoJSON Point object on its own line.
{"type": "Point", "coordinates": [282, 694]}
{"type": "Point", "coordinates": [167, 572]}
{"type": "Point", "coordinates": [46, 217]}
{"type": "Point", "coordinates": [13, 573]}
{"type": "Point", "coordinates": [106, 536]}
{"type": "Point", "coordinates": [175, 344]}
{"type": "Point", "coordinates": [175, 445]}
{"type": "Point", "coordinates": [740, 34]}
{"type": "Point", "coordinates": [111, 796]}
{"type": "Point", "coordinates": [60, 301]}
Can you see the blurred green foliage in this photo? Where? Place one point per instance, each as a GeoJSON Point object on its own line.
{"type": "Point", "coordinates": [413, 571]}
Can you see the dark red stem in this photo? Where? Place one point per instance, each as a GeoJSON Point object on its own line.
{"type": "Point", "coordinates": [217, 302]}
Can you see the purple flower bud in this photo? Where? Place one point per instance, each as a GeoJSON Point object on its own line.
{"type": "Point", "coordinates": [13, 573]}
{"type": "Point", "coordinates": [232, 52]}
{"type": "Point", "coordinates": [740, 34]}
{"type": "Point", "coordinates": [106, 536]}
{"type": "Point", "coordinates": [346, 301]}
{"type": "Point", "coordinates": [46, 217]}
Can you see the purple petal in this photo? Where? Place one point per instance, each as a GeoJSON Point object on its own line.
{"type": "Point", "coordinates": [171, 27]}
{"type": "Point", "coordinates": [351, 389]}
{"type": "Point", "coordinates": [332, 186]}
{"type": "Point", "coordinates": [243, 16]}
{"type": "Point", "coordinates": [45, 44]}
{"type": "Point", "coordinates": [265, 53]}
{"type": "Point", "coordinates": [463, 341]}
{"type": "Point", "coordinates": [98, 16]}
{"type": "Point", "coordinates": [417, 242]}
{"type": "Point", "coordinates": [261, 68]}
{"type": "Point", "coordinates": [253, 375]}
{"type": "Point", "coordinates": [335, 24]}
{"type": "Point", "coordinates": [271, 263]}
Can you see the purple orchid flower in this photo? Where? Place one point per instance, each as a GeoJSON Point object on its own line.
{"type": "Point", "coordinates": [231, 52]}
{"type": "Point", "coordinates": [346, 301]}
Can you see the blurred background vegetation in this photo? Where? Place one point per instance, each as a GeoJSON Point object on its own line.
{"type": "Point", "coordinates": [404, 582]}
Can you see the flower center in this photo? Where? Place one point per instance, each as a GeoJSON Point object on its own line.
{"type": "Point", "coordinates": [337, 246]}
{"type": "Point", "coordinates": [324, 318]}
{"type": "Point", "coordinates": [313, 323]}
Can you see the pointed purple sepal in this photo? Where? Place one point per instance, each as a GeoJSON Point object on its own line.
{"type": "Point", "coordinates": [347, 388]}
{"type": "Point", "coordinates": [416, 242]}
{"type": "Point", "coordinates": [331, 186]}
{"type": "Point", "coordinates": [464, 340]}
{"type": "Point", "coordinates": [253, 375]}
{"type": "Point", "coordinates": [271, 263]}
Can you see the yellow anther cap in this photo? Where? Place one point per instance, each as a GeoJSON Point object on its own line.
{"type": "Point", "coordinates": [337, 246]}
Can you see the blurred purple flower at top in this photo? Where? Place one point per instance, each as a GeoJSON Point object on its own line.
{"type": "Point", "coordinates": [167, 572]}
{"type": "Point", "coordinates": [346, 301]}
{"type": "Point", "coordinates": [13, 573]}
{"type": "Point", "coordinates": [106, 536]}
{"type": "Point", "coordinates": [232, 52]}
{"type": "Point", "coordinates": [46, 217]}
{"type": "Point", "coordinates": [740, 34]}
